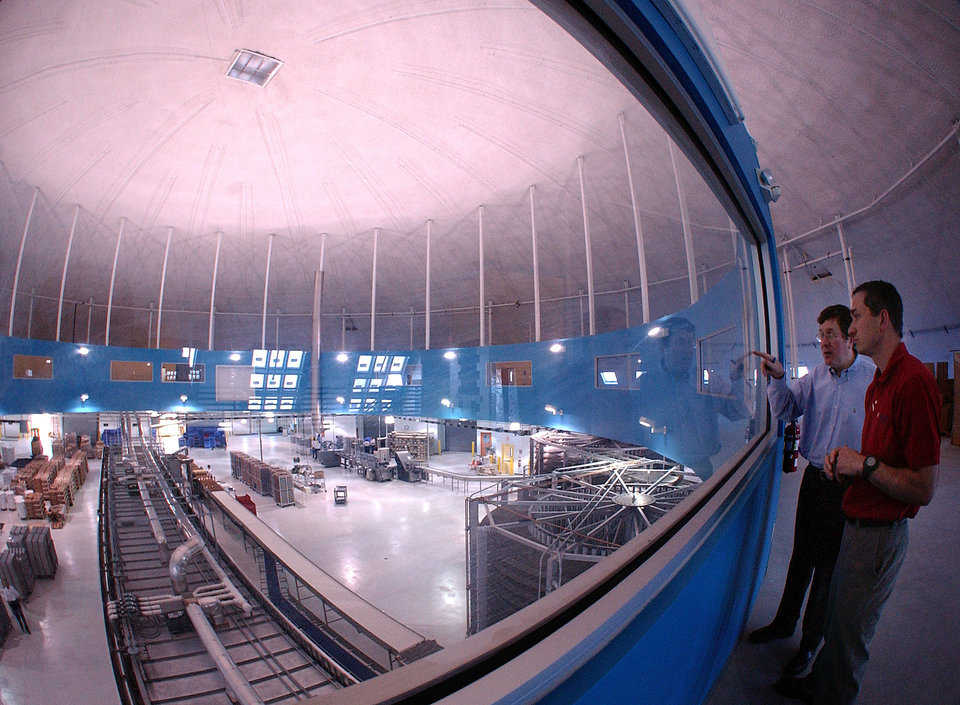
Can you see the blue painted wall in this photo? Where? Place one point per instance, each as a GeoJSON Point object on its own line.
{"type": "Point", "coordinates": [680, 422]}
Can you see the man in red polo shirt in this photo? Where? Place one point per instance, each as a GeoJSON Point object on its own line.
{"type": "Point", "coordinates": [893, 475]}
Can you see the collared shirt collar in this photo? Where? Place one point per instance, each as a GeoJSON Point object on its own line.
{"type": "Point", "coordinates": [845, 370]}
{"type": "Point", "coordinates": [899, 353]}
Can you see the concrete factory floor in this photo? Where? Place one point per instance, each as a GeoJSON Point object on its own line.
{"type": "Point", "coordinates": [398, 544]}
{"type": "Point", "coordinates": [401, 546]}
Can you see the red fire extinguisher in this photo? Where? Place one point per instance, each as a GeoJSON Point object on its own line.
{"type": "Point", "coordinates": [791, 446]}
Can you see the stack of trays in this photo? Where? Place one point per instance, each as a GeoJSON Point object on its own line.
{"type": "Point", "coordinates": [37, 543]}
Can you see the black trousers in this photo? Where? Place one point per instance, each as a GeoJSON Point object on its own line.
{"type": "Point", "coordinates": [818, 531]}
{"type": "Point", "coordinates": [17, 611]}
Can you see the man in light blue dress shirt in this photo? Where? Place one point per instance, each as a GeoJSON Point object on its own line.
{"type": "Point", "coordinates": [830, 399]}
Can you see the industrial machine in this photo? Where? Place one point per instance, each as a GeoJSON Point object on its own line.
{"type": "Point", "coordinates": [406, 468]}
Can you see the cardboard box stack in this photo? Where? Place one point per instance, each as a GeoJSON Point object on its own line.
{"type": "Point", "coordinates": [260, 476]}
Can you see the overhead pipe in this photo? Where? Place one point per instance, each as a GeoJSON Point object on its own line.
{"type": "Point", "coordinates": [841, 219]}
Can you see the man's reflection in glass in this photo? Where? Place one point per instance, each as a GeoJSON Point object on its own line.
{"type": "Point", "coordinates": [682, 421]}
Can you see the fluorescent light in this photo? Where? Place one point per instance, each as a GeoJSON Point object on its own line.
{"type": "Point", "coordinates": [253, 67]}
{"type": "Point", "coordinates": [84, 350]}
{"type": "Point", "coordinates": [235, 356]}
{"type": "Point", "coordinates": [515, 426]}
{"type": "Point", "coordinates": [657, 332]}
{"type": "Point", "coordinates": [450, 355]}
{"type": "Point", "coordinates": [644, 422]}
{"type": "Point", "coordinates": [556, 347]}
{"type": "Point", "coordinates": [342, 357]}
{"type": "Point", "coordinates": [550, 409]}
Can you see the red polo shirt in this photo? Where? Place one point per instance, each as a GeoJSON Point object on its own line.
{"type": "Point", "coordinates": [901, 428]}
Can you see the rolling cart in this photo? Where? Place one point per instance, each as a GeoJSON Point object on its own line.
{"type": "Point", "coordinates": [340, 494]}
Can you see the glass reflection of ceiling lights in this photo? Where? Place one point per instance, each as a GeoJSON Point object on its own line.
{"type": "Point", "coordinates": [364, 362]}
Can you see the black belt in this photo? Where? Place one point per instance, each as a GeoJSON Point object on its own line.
{"type": "Point", "coordinates": [869, 523]}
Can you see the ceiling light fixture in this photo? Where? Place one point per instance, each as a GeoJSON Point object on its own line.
{"type": "Point", "coordinates": [235, 356]}
{"type": "Point", "coordinates": [450, 355]}
{"type": "Point", "coordinates": [342, 357]}
{"type": "Point", "coordinates": [84, 397]}
{"type": "Point", "coordinates": [183, 398]}
{"type": "Point", "coordinates": [556, 347]}
{"type": "Point", "coordinates": [253, 67]}
{"type": "Point", "coordinates": [446, 402]}
{"type": "Point", "coordinates": [84, 350]}
{"type": "Point", "coordinates": [340, 400]}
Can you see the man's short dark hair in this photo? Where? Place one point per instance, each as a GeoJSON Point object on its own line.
{"type": "Point", "coordinates": [883, 296]}
{"type": "Point", "coordinates": [838, 313]}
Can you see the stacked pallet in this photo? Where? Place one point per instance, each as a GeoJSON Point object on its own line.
{"type": "Point", "coordinates": [68, 480]}
{"type": "Point", "coordinates": [25, 474]}
{"type": "Point", "coordinates": [263, 478]}
{"type": "Point", "coordinates": [37, 543]}
{"type": "Point", "coordinates": [34, 503]}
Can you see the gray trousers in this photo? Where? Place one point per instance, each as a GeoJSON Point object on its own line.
{"type": "Point", "coordinates": [866, 570]}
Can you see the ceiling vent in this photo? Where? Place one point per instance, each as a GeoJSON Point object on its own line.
{"type": "Point", "coordinates": [253, 67]}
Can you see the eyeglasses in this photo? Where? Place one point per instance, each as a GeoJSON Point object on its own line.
{"type": "Point", "coordinates": [830, 336]}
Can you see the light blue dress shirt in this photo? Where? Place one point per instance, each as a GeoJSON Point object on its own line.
{"type": "Point", "coordinates": [830, 403]}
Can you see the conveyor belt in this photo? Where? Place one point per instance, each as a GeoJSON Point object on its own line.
{"type": "Point", "coordinates": [174, 666]}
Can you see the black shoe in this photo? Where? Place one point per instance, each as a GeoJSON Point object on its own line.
{"type": "Point", "coordinates": [795, 688]}
{"type": "Point", "coordinates": [799, 663]}
{"type": "Point", "coordinates": [772, 631]}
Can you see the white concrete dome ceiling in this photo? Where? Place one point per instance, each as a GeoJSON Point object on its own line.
{"type": "Point", "coordinates": [386, 114]}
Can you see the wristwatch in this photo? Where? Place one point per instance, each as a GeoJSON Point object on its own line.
{"type": "Point", "coordinates": [870, 464]}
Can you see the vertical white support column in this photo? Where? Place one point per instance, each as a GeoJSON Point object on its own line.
{"type": "Point", "coordinates": [626, 303]}
{"type": "Point", "coordinates": [845, 256]}
{"type": "Point", "coordinates": [411, 327]}
{"type": "Point", "coordinates": [113, 279]}
{"type": "Point", "coordinates": [373, 291]}
{"type": "Point", "coordinates": [89, 318]}
{"type": "Point", "coordinates": [685, 224]}
{"type": "Point", "coordinates": [490, 322]}
{"type": "Point", "coordinates": [315, 337]}
{"type": "Point", "coordinates": [276, 338]}
{"type": "Point", "coordinates": [266, 289]}
{"type": "Point", "coordinates": [66, 261]}
{"type": "Point", "coordinates": [792, 322]}
{"type": "Point", "coordinates": [426, 333]}
{"type": "Point", "coordinates": [536, 267]}
{"type": "Point", "coordinates": [213, 290]}
{"type": "Point", "coordinates": [16, 276]}
{"type": "Point", "coordinates": [638, 229]}
{"type": "Point", "coordinates": [343, 327]}
{"type": "Point", "coordinates": [588, 247]}
{"type": "Point", "coordinates": [482, 279]}
{"type": "Point", "coordinates": [150, 325]}
{"type": "Point", "coordinates": [163, 283]}
{"type": "Point", "coordinates": [30, 314]}
{"type": "Point", "coordinates": [580, 301]}
{"type": "Point", "coordinates": [853, 274]}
